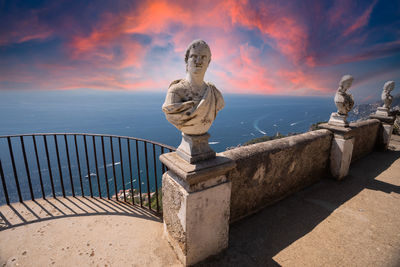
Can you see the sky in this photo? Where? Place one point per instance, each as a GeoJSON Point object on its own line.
{"type": "Point", "coordinates": [299, 48]}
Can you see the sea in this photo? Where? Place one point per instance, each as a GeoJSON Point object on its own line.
{"type": "Point", "coordinates": [138, 114]}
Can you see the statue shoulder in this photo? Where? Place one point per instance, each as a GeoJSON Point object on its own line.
{"type": "Point", "coordinates": [176, 84]}
{"type": "Point", "coordinates": [211, 85]}
{"type": "Point", "coordinates": [218, 95]}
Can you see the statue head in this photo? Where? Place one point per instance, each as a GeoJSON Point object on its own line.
{"type": "Point", "coordinates": [197, 57]}
{"type": "Point", "coordinates": [388, 87]}
{"type": "Point", "coordinates": [345, 83]}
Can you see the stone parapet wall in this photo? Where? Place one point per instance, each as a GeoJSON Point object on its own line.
{"type": "Point", "coordinates": [365, 137]}
{"type": "Point", "coordinates": [269, 171]}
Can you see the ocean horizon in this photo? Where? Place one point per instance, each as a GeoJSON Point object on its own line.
{"type": "Point", "coordinates": [138, 114]}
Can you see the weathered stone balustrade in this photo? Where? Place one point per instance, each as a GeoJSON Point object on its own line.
{"type": "Point", "coordinates": [200, 200]}
{"type": "Point", "coordinates": [269, 171]}
{"type": "Point", "coordinates": [204, 192]}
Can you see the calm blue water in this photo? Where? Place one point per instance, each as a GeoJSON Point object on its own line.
{"type": "Point", "coordinates": [139, 115]}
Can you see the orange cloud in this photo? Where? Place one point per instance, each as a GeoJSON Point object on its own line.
{"type": "Point", "coordinates": [246, 73]}
{"type": "Point", "coordinates": [257, 47]}
{"type": "Point", "coordinates": [238, 66]}
{"type": "Point", "coordinates": [300, 80]}
{"type": "Point", "coordinates": [286, 32]}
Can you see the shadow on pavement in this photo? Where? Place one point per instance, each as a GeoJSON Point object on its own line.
{"type": "Point", "coordinates": [255, 240]}
{"type": "Point", "coordinates": [18, 214]}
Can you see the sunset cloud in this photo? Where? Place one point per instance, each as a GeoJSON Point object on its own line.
{"type": "Point", "coordinates": [361, 21]}
{"type": "Point", "coordinates": [263, 47]}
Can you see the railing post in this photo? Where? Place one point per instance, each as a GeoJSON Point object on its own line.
{"type": "Point", "coordinates": [341, 150]}
{"type": "Point", "coordinates": [385, 116]}
{"type": "Point", "coordinates": [196, 206]}
{"type": "Point", "coordinates": [385, 129]}
{"type": "Point", "coordinates": [343, 140]}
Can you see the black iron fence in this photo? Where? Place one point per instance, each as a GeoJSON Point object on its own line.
{"type": "Point", "coordinates": [69, 164]}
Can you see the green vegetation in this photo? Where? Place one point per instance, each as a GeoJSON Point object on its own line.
{"type": "Point", "coordinates": [145, 202]}
{"type": "Point", "coordinates": [153, 201]}
{"type": "Point", "coordinates": [267, 138]}
{"type": "Point", "coordinates": [315, 126]}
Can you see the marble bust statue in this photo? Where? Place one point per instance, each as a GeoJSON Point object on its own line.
{"type": "Point", "coordinates": [192, 104]}
{"type": "Point", "coordinates": [387, 99]}
{"type": "Point", "coordinates": [343, 101]}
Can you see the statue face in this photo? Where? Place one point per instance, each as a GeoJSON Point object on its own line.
{"type": "Point", "coordinates": [199, 58]}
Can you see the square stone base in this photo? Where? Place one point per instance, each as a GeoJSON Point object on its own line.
{"type": "Point", "coordinates": [196, 224]}
{"type": "Point", "coordinates": [385, 132]}
{"type": "Point", "coordinates": [341, 153]}
{"type": "Point", "coordinates": [341, 149]}
{"type": "Point", "coordinates": [195, 148]}
{"type": "Point", "coordinates": [381, 111]}
{"type": "Point", "coordinates": [337, 119]}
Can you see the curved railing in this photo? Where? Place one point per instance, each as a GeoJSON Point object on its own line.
{"type": "Point", "coordinates": [69, 164]}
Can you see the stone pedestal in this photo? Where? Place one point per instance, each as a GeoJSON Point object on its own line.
{"type": "Point", "coordinates": [386, 129]}
{"type": "Point", "coordinates": [341, 150]}
{"type": "Point", "coordinates": [196, 206]}
{"type": "Point", "coordinates": [382, 112]}
{"type": "Point", "coordinates": [337, 119]}
{"type": "Point", "coordinates": [195, 148]}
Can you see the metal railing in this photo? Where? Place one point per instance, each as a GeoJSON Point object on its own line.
{"type": "Point", "coordinates": [69, 164]}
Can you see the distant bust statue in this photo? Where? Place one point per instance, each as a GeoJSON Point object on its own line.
{"type": "Point", "coordinates": [191, 104]}
{"type": "Point", "coordinates": [387, 98]}
{"type": "Point", "coordinates": [343, 101]}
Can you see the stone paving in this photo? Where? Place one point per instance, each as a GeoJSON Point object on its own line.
{"type": "Point", "coordinates": [354, 222]}
{"type": "Point", "coordinates": [81, 232]}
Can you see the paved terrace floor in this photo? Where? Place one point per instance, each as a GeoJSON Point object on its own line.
{"type": "Point", "coordinates": [355, 222]}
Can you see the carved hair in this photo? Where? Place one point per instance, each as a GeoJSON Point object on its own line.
{"type": "Point", "coordinates": [345, 79]}
{"type": "Point", "coordinates": [389, 86]}
{"type": "Point", "coordinates": [194, 44]}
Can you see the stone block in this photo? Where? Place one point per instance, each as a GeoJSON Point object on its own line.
{"type": "Point", "coordinates": [337, 119]}
{"type": "Point", "coordinates": [341, 153]}
{"type": "Point", "coordinates": [196, 206]}
{"type": "Point", "coordinates": [385, 135]}
{"type": "Point", "coordinates": [195, 148]}
{"type": "Point", "coordinates": [382, 111]}
{"type": "Point", "coordinates": [386, 128]}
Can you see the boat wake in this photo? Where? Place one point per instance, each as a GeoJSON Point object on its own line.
{"type": "Point", "coordinates": [257, 121]}
{"type": "Point", "coordinates": [213, 143]}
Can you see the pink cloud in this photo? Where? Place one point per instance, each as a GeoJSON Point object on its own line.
{"type": "Point", "coordinates": [300, 80]}
{"type": "Point", "coordinates": [280, 59]}
{"type": "Point", "coordinates": [27, 28]}
{"type": "Point", "coordinates": [361, 21]}
{"type": "Point", "coordinates": [283, 29]}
